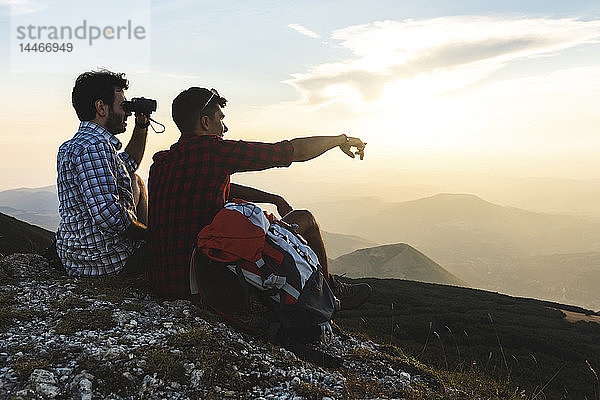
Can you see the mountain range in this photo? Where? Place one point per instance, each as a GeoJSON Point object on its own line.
{"type": "Point", "coordinates": [338, 244]}
{"type": "Point", "coordinates": [38, 206]}
{"type": "Point", "coordinates": [486, 245]}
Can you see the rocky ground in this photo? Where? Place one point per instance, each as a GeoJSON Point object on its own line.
{"type": "Point", "coordinates": [108, 338]}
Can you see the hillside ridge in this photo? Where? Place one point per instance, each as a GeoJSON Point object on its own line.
{"type": "Point", "coordinates": [18, 236]}
{"type": "Point", "coordinates": [399, 260]}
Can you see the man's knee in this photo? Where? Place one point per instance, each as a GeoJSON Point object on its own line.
{"type": "Point", "coordinates": [137, 186]}
{"type": "Point", "coordinates": [139, 182]}
{"type": "Point", "coordinates": [303, 218]}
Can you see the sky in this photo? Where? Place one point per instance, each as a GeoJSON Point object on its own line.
{"type": "Point", "coordinates": [505, 88]}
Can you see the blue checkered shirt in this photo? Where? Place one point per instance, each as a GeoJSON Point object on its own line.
{"type": "Point", "coordinates": [96, 202]}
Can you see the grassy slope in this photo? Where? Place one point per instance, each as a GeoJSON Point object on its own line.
{"type": "Point", "coordinates": [471, 328]}
{"type": "Point", "coordinates": [20, 237]}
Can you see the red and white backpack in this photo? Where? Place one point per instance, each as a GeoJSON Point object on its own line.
{"type": "Point", "coordinates": [267, 256]}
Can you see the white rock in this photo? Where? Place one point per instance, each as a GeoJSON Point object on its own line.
{"type": "Point", "coordinates": [43, 382]}
{"type": "Point", "coordinates": [82, 385]}
{"type": "Point", "coordinates": [23, 393]}
{"type": "Point", "coordinates": [112, 353]}
{"type": "Point", "coordinates": [196, 378]}
{"type": "Point", "coordinates": [132, 324]}
{"type": "Point", "coordinates": [85, 388]}
{"type": "Point", "coordinates": [188, 367]}
{"type": "Point", "coordinates": [149, 385]}
{"type": "Point", "coordinates": [405, 376]}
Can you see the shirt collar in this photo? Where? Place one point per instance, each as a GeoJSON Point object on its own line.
{"type": "Point", "coordinates": [192, 136]}
{"type": "Point", "coordinates": [93, 128]}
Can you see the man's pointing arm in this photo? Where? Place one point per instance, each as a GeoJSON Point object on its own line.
{"type": "Point", "coordinates": [308, 148]}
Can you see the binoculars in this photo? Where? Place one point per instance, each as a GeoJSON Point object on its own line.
{"type": "Point", "coordinates": [141, 105]}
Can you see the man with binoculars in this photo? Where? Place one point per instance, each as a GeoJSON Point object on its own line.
{"type": "Point", "coordinates": [103, 203]}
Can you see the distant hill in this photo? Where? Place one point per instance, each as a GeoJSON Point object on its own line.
{"type": "Point", "coordinates": [31, 199]}
{"type": "Point", "coordinates": [20, 237]}
{"type": "Point", "coordinates": [48, 220]}
{"type": "Point", "coordinates": [399, 261]}
{"type": "Point", "coordinates": [338, 244]}
{"type": "Point", "coordinates": [38, 206]}
{"type": "Point", "coordinates": [453, 223]}
{"type": "Point", "coordinates": [569, 278]}
{"type": "Point", "coordinates": [342, 211]}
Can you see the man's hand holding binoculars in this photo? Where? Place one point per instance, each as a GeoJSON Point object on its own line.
{"type": "Point", "coordinates": [142, 121]}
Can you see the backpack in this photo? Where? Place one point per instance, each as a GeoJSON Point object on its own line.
{"type": "Point", "coordinates": [245, 259]}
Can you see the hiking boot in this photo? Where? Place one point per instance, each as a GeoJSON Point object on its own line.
{"type": "Point", "coordinates": [350, 296]}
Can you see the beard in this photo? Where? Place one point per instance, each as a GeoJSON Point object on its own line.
{"type": "Point", "coordinates": [115, 123]}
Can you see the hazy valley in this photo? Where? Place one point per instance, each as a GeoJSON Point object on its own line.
{"type": "Point", "coordinates": [487, 246]}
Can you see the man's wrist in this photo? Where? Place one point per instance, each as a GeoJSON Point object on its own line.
{"type": "Point", "coordinates": [276, 199]}
{"type": "Point", "coordinates": [142, 126]}
{"type": "Point", "coordinates": [343, 139]}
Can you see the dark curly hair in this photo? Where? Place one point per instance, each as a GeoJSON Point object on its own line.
{"type": "Point", "coordinates": [186, 107]}
{"type": "Point", "coordinates": [94, 85]}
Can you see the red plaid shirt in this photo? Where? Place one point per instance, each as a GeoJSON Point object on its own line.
{"type": "Point", "coordinates": [188, 185]}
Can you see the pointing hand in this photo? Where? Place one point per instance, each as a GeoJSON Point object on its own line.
{"type": "Point", "coordinates": [351, 142]}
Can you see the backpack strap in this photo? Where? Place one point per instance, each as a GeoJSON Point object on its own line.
{"type": "Point", "coordinates": [193, 283]}
{"type": "Point", "coordinates": [243, 283]}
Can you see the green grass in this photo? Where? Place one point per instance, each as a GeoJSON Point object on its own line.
{"type": "Point", "coordinates": [111, 288]}
{"type": "Point", "coordinates": [484, 341]}
{"type": "Point", "coordinates": [69, 303]}
{"type": "Point", "coordinates": [74, 321]}
{"type": "Point", "coordinates": [26, 364]}
{"type": "Point", "coordinates": [112, 380]}
{"type": "Point", "coordinates": [311, 391]}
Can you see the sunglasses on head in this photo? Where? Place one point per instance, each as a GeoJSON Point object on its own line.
{"type": "Point", "coordinates": [213, 94]}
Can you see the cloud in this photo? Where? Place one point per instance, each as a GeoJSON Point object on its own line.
{"type": "Point", "coordinates": [428, 57]}
{"type": "Point", "coordinates": [187, 77]}
{"type": "Point", "coordinates": [577, 80]}
{"type": "Point", "coordinates": [20, 7]}
{"type": "Point", "coordinates": [299, 28]}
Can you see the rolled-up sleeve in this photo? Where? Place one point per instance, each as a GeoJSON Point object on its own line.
{"type": "Point", "coordinates": [99, 187]}
{"type": "Point", "coordinates": [129, 162]}
{"type": "Point", "coordinates": [239, 156]}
